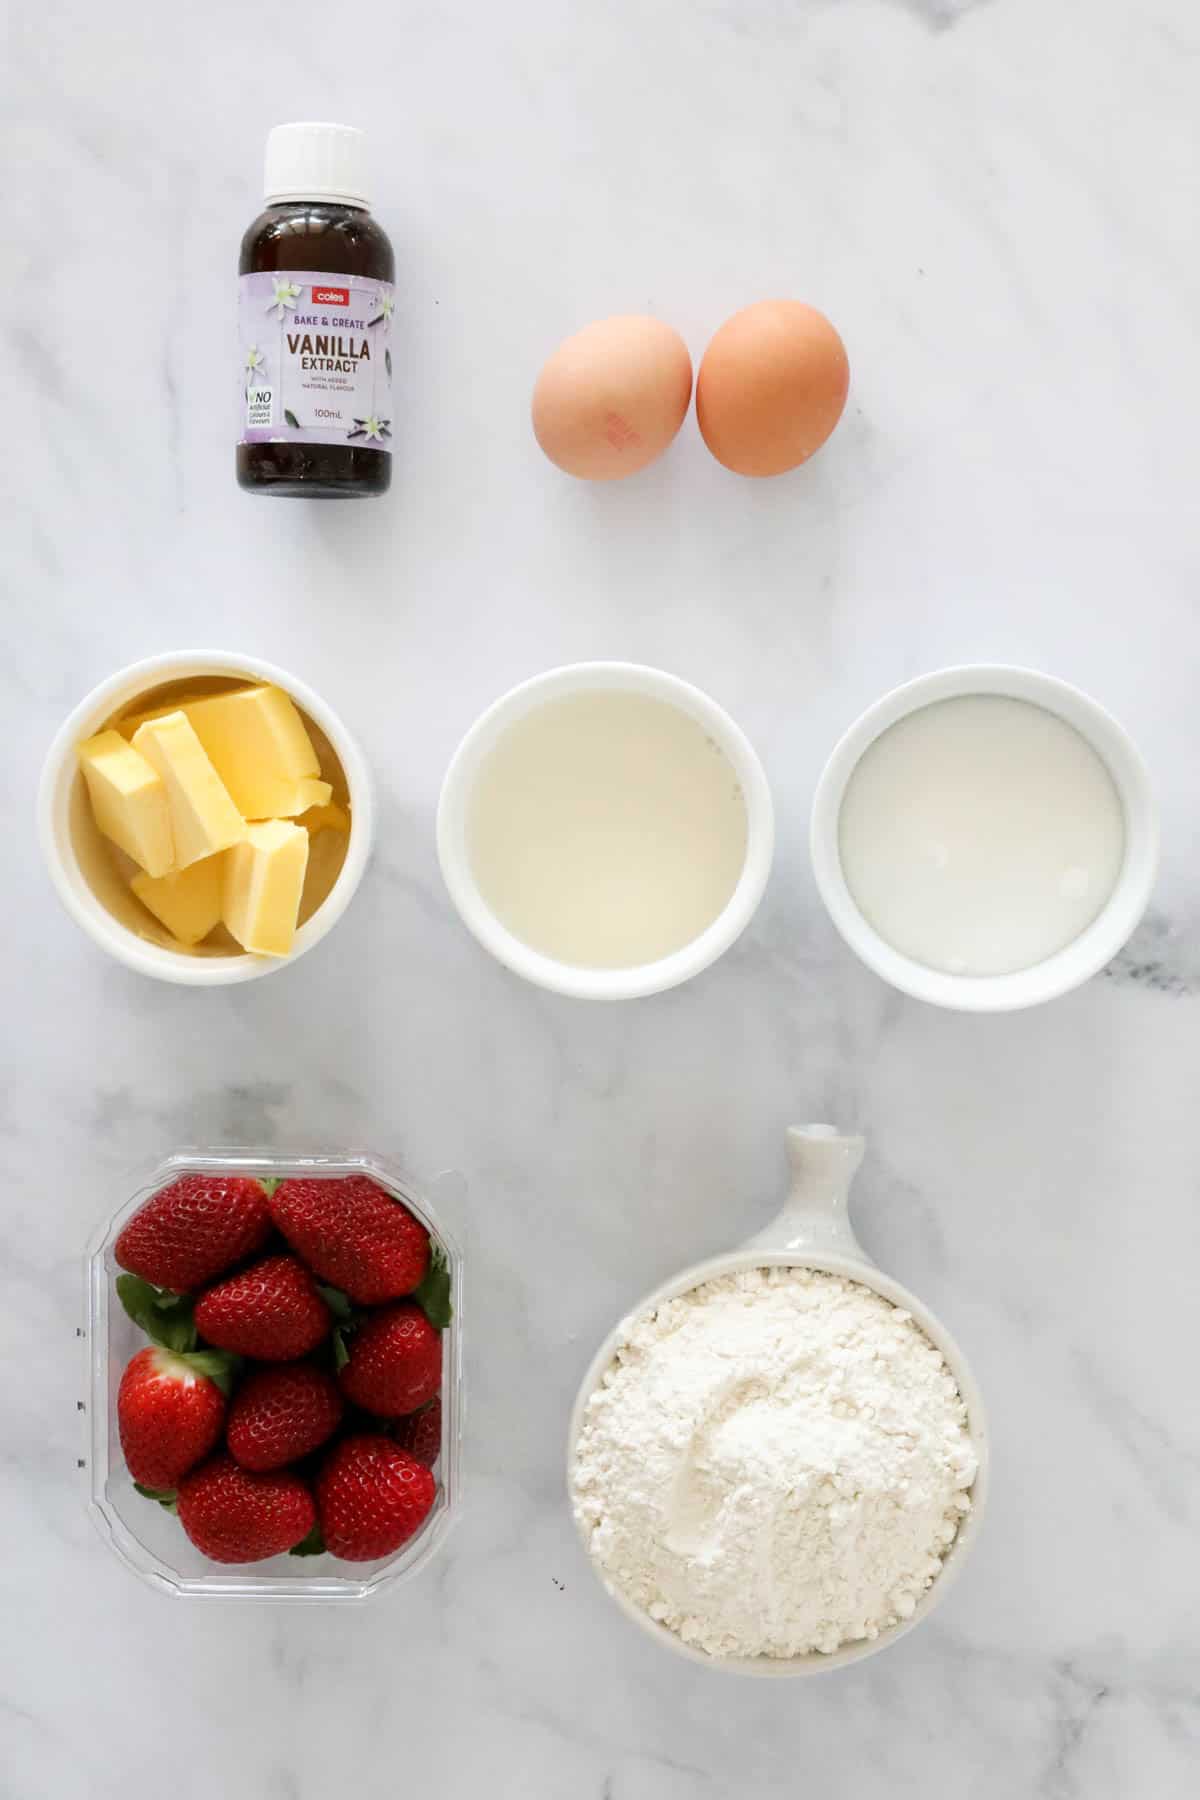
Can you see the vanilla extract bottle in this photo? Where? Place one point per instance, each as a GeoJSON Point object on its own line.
{"type": "Point", "coordinates": [315, 304]}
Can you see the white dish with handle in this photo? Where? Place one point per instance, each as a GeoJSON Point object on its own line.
{"type": "Point", "coordinates": [812, 1230]}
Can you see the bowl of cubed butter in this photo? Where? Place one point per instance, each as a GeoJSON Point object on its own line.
{"type": "Point", "coordinates": [205, 817]}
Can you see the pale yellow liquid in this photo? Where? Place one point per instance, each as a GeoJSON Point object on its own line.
{"type": "Point", "coordinates": [606, 830]}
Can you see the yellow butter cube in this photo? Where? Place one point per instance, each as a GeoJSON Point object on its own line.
{"type": "Point", "coordinates": [301, 796]}
{"type": "Point", "coordinates": [128, 726]}
{"type": "Point", "coordinates": [327, 817]}
{"type": "Point", "coordinates": [204, 819]}
{"type": "Point", "coordinates": [129, 800]}
{"type": "Point", "coordinates": [258, 745]}
{"type": "Point", "coordinates": [263, 882]}
{"type": "Point", "coordinates": [188, 903]}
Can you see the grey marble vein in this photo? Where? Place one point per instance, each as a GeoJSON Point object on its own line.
{"type": "Point", "coordinates": [1162, 956]}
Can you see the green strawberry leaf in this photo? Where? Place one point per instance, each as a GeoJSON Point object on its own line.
{"type": "Point", "coordinates": [219, 1365]}
{"type": "Point", "coordinates": [291, 418]}
{"type": "Point", "coordinates": [138, 1297]}
{"type": "Point", "coordinates": [312, 1545]}
{"type": "Point", "coordinates": [337, 1302]}
{"type": "Point", "coordinates": [434, 1292]}
{"type": "Point", "coordinates": [341, 1356]}
{"type": "Point", "coordinates": [270, 1183]}
{"type": "Point", "coordinates": [164, 1496]}
{"type": "Point", "coordinates": [165, 1318]}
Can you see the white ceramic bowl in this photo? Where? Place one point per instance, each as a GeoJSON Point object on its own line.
{"type": "Point", "coordinates": [546, 971]}
{"type": "Point", "coordinates": [61, 794]}
{"type": "Point", "coordinates": [812, 1231]}
{"type": "Point", "coordinates": [1079, 960]}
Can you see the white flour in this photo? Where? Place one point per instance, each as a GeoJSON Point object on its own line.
{"type": "Point", "coordinates": [775, 1462]}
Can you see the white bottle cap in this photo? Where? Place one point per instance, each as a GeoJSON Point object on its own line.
{"type": "Point", "coordinates": [310, 161]}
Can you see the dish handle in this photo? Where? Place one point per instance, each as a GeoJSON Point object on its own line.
{"type": "Point", "coordinates": [815, 1214]}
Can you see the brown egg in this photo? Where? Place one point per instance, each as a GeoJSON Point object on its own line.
{"type": "Point", "coordinates": [612, 397]}
{"type": "Point", "coordinates": [771, 387]}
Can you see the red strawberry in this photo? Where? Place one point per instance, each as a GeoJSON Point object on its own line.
{"type": "Point", "coordinates": [271, 1310]}
{"type": "Point", "coordinates": [395, 1361]}
{"type": "Point", "coordinates": [278, 1415]}
{"type": "Point", "coordinates": [169, 1412]}
{"type": "Point", "coordinates": [354, 1235]}
{"type": "Point", "coordinates": [191, 1232]}
{"type": "Point", "coordinates": [234, 1516]}
{"type": "Point", "coordinates": [372, 1496]}
{"type": "Point", "coordinates": [420, 1433]}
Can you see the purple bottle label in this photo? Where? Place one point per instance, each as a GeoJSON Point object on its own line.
{"type": "Point", "coordinates": [316, 358]}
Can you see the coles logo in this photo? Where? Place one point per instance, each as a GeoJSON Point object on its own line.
{"type": "Point", "coordinates": [331, 296]}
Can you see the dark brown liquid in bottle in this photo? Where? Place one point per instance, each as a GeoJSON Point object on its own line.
{"type": "Point", "coordinates": [338, 240]}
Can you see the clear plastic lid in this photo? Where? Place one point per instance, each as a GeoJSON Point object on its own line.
{"type": "Point", "coordinates": [150, 1540]}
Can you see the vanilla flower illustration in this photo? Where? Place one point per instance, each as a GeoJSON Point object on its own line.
{"type": "Point", "coordinates": [371, 428]}
{"type": "Point", "coordinates": [387, 306]}
{"type": "Point", "coordinates": [284, 298]}
{"type": "Point", "coordinates": [256, 365]}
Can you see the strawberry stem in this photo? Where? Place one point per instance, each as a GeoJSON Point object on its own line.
{"type": "Point", "coordinates": [337, 1302]}
{"type": "Point", "coordinates": [165, 1318]}
{"type": "Point", "coordinates": [312, 1545]}
{"type": "Point", "coordinates": [219, 1365]}
{"type": "Point", "coordinates": [433, 1295]}
{"type": "Point", "coordinates": [164, 1496]}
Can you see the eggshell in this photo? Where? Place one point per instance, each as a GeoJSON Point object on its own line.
{"type": "Point", "coordinates": [612, 397]}
{"type": "Point", "coordinates": [771, 387]}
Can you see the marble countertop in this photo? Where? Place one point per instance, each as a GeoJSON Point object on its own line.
{"type": "Point", "coordinates": [996, 203]}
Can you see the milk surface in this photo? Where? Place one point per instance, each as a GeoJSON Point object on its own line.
{"type": "Point", "coordinates": [980, 835]}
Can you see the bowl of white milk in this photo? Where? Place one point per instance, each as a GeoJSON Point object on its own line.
{"type": "Point", "coordinates": [985, 838]}
{"type": "Point", "coordinates": [605, 830]}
